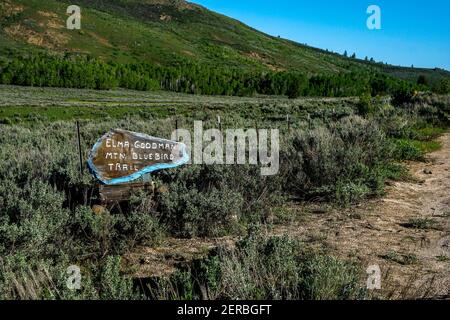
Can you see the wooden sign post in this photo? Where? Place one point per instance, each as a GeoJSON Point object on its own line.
{"type": "Point", "coordinates": [120, 158]}
{"type": "Point", "coordinates": [79, 147]}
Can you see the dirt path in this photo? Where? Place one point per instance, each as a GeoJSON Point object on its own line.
{"type": "Point", "coordinates": [406, 233]}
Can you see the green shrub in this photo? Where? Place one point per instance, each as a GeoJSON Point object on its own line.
{"type": "Point", "coordinates": [212, 200]}
{"type": "Point", "coordinates": [364, 105]}
{"type": "Point", "coordinates": [347, 193]}
{"type": "Point", "coordinates": [325, 163]}
{"type": "Point", "coordinates": [6, 121]}
{"type": "Point", "coordinates": [193, 213]}
{"type": "Point", "coordinates": [281, 270]}
{"type": "Point", "coordinates": [428, 133]}
{"type": "Point", "coordinates": [327, 278]}
{"type": "Point", "coordinates": [115, 286]}
{"type": "Point", "coordinates": [402, 96]}
{"type": "Point", "coordinates": [261, 268]}
{"type": "Point", "coordinates": [265, 268]}
{"type": "Point", "coordinates": [32, 219]}
{"type": "Point", "coordinates": [142, 228]}
{"type": "Point", "coordinates": [94, 230]}
{"type": "Point", "coordinates": [442, 87]}
{"type": "Point", "coordinates": [407, 150]}
{"type": "Point", "coordinates": [421, 223]}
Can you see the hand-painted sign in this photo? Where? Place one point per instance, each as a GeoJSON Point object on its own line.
{"type": "Point", "coordinates": [123, 156]}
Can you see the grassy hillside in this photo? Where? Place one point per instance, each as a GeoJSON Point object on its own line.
{"type": "Point", "coordinates": [166, 32]}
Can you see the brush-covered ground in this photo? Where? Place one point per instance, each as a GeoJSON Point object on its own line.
{"type": "Point", "coordinates": [351, 191]}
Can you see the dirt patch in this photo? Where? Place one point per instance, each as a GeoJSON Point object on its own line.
{"type": "Point", "coordinates": [179, 4]}
{"type": "Point", "coordinates": [51, 21]}
{"type": "Point", "coordinates": [165, 18]}
{"type": "Point", "coordinates": [55, 24]}
{"type": "Point", "coordinates": [47, 14]}
{"type": "Point", "coordinates": [265, 60]}
{"type": "Point", "coordinates": [162, 261]}
{"type": "Point", "coordinates": [8, 9]}
{"type": "Point", "coordinates": [50, 39]}
{"type": "Point", "coordinates": [30, 36]}
{"type": "Point", "coordinates": [188, 53]}
{"type": "Point", "coordinates": [100, 39]}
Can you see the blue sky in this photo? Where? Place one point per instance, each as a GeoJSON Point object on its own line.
{"type": "Point", "coordinates": [413, 32]}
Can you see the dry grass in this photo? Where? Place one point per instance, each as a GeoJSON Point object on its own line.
{"type": "Point", "coordinates": [27, 284]}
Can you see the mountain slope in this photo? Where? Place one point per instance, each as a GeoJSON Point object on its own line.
{"type": "Point", "coordinates": [165, 32]}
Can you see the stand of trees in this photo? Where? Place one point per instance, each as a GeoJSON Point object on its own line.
{"type": "Point", "coordinates": [85, 72]}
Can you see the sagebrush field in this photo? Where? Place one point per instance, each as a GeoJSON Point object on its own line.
{"type": "Point", "coordinates": [215, 229]}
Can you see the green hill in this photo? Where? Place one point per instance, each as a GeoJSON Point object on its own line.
{"type": "Point", "coordinates": [165, 32]}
